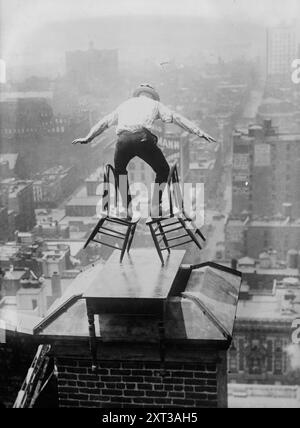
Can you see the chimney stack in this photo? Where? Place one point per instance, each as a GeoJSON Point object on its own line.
{"type": "Point", "coordinates": [56, 285]}
{"type": "Point", "coordinates": [234, 264]}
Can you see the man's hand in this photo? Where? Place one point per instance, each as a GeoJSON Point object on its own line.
{"type": "Point", "coordinates": [208, 138]}
{"type": "Point", "coordinates": [80, 141]}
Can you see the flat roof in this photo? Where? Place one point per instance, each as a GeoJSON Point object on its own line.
{"type": "Point", "coordinates": [283, 137]}
{"type": "Point", "coordinates": [139, 277]}
{"type": "Point", "coordinates": [13, 320]}
{"type": "Point", "coordinates": [75, 246]}
{"type": "Point", "coordinates": [11, 158]}
{"type": "Point", "coordinates": [268, 307]}
{"type": "Point", "coordinates": [14, 275]}
{"type": "Point", "coordinates": [84, 220]}
{"type": "Point", "coordinates": [287, 272]}
{"type": "Point", "coordinates": [87, 201]}
{"type": "Point", "coordinates": [198, 314]}
{"type": "Point", "coordinates": [286, 222]}
{"type": "Point", "coordinates": [8, 250]}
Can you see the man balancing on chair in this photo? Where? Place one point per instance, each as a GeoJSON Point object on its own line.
{"type": "Point", "coordinates": [134, 119]}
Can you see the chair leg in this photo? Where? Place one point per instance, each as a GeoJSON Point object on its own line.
{"type": "Point", "coordinates": [133, 229]}
{"type": "Point", "coordinates": [126, 239]}
{"type": "Point", "coordinates": [193, 237]}
{"type": "Point", "coordinates": [95, 231]}
{"type": "Point", "coordinates": [161, 229]}
{"type": "Point", "coordinates": [156, 245]}
{"type": "Point", "coordinates": [198, 232]}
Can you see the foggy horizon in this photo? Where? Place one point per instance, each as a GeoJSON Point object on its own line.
{"type": "Point", "coordinates": [36, 38]}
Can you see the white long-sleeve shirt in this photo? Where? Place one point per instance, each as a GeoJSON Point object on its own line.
{"type": "Point", "coordinates": [141, 112]}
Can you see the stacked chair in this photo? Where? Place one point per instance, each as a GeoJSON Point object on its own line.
{"type": "Point", "coordinates": [177, 228]}
{"type": "Point", "coordinates": [113, 230]}
{"type": "Point", "coordinates": [169, 231]}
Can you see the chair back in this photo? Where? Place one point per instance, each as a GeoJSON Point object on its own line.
{"type": "Point", "coordinates": [175, 194]}
{"type": "Point", "coordinates": [110, 178]}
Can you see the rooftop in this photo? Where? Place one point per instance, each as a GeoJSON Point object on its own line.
{"type": "Point", "coordinates": [75, 246]}
{"type": "Point", "coordinates": [272, 271]}
{"type": "Point", "coordinates": [96, 175]}
{"type": "Point", "coordinates": [14, 186]}
{"type": "Point", "coordinates": [11, 158]}
{"type": "Point", "coordinates": [85, 201]}
{"type": "Point", "coordinates": [86, 221]}
{"type": "Point", "coordinates": [8, 250]}
{"type": "Point", "coordinates": [270, 307]}
{"type": "Point", "coordinates": [265, 222]}
{"type": "Point", "coordinates": [283, 137]}
{"type": "Point", "coordinates": [23, 322]}
{"type": "Point", "coordinates": [201, 303]}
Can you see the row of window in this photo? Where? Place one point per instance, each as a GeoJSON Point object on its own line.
{"type": "Point", "coordinates": [58, 129]}
{"type": "Point", "coordinates": [258, 358]}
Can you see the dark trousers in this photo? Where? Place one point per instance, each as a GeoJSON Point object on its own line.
{"type": "Point", "coordinates": [142, 144]}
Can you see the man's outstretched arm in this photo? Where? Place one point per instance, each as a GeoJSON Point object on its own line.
{"type": "Point", "coordinates": [109, 120]}
{"type": "Point", "coordinates": [168, 116]}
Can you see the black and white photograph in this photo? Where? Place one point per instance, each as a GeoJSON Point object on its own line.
{"type": "Point", "coordinates": [149, 206]}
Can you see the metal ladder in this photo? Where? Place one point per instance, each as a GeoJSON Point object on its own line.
{"type": "Point", "coordinates": [34, 382]}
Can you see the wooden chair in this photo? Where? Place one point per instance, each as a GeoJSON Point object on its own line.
{"type": "Point", "coordinates": [163, 229]}
{"type": "Point", "coordinates": [111, 225]}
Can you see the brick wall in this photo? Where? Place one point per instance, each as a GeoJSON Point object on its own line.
{"type": "Point", "coordinates": [137, 384]}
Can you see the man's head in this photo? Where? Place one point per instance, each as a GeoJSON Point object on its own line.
{"type": "Point", "coordinates": [146, 90]}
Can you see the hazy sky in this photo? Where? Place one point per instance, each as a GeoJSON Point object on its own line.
{"type": "Point", "coordinates": [269, 11]}
{"type": "Point", "coordinates": [23, 22]}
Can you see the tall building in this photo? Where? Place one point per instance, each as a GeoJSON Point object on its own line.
{"type": "Point", "coordinates": [17, 196]}
{"type": "Point", "coordinates": [262, 345]}
{"type": "Point", "coordinates": [246, 237]}
{"type": "Point", "coordinates": [29, 128]}
{"type": "Point", "coordinates": [3, 224]}
{"type": "Point", "coordinates": [54, 184]}
{"type": "Point", "coordinates": [93, 66]}
{"type": "Point", "coordinates": [266, 172]}
{"type": "Point", "coordinates": [281, 51]}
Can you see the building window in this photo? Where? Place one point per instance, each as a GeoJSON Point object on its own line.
{"type": "Point", "coordinates": [270, 356]}
{"type": "Point", "coordinates": [34, 304]}
{"type": "Point", "coordinates": [233, 359]}
{"type": "Point", "coordinates": [241, 355]}
{"type": "Point", "coordinates": [278, 369]}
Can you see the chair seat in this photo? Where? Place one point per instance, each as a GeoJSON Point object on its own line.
{"type": "Point", "coordinates": [120, 218]}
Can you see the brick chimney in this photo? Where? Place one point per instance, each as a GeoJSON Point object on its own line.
{"type": "Point", "coordinates": [156, 334]}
